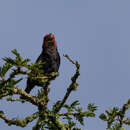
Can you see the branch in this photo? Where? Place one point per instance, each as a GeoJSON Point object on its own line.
{"type": "Point", "coordinates": [51, 120]}
{"type": "Point", "coordinates": [29, 98]}
{"type": "Point", "coordinates": [116, 117]}
{"type": "Point", "coordinates": [72, 86]}
{"type": "Point", "coordinates": [60, 124]}
{"type": "Point", "coordinates": [19, 122]}
{"type": "Point", "coordinates": [46, 118]}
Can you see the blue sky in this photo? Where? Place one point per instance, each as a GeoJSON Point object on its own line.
{"type": "Point", "coordinates": [93, 32]}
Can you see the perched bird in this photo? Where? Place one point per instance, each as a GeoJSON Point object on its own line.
{"type": "Point", "coordinates": [49, 56]}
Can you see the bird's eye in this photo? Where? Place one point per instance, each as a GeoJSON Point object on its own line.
{"type": "Point", "coordinates": [46, 38]}
{"type": "Point", "coordinates": [49, 37]}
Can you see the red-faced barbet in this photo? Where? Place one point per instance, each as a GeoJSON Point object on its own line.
{"type": "Point", "coordinates": [49, 56]}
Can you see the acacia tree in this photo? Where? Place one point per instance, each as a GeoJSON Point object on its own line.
{"type": "Point", "coordinates": [52, 119]}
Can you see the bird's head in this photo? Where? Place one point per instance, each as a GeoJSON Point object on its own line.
{"type": "Point", "coordinates": [49, 41]}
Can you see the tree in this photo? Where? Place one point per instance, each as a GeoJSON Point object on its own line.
{"type": "Point", "coordinates": [52, 119]}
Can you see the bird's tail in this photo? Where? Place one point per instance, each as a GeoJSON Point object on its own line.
{"type": "Point", "coordinates": [30, 86]}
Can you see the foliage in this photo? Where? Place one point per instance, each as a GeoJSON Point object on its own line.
{"type": "Point", "coordinates": [116, 117]}
{"type": "Point", "coordinates": [61, 116]}
{"type": "Point", "coordinates": [12, 73]}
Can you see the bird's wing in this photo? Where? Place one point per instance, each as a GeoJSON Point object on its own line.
{"type": "Point", "coordinates": [40, 58]}
{"type": "Point", "coordinates": [58, 60]}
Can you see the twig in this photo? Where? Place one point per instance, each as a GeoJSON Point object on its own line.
{"type": "Point", "coordinates": [72, 86]}
{"type": "Point", "coordinates": [66, 56]}
{"type": "Point", "coordinates": [36, 126]}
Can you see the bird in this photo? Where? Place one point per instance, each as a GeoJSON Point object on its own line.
{"type": "Point", "coordinates": [49, 56]}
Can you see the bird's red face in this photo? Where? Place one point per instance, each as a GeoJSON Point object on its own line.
{"type": "Point", "coordinates": [49, 41]}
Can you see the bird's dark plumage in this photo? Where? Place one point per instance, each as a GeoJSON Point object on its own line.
{"type": "Point", "coordinates": [49, 56]}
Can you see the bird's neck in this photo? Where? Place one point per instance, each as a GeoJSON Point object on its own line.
{"type": "Point", "coordinates": [50, 50]}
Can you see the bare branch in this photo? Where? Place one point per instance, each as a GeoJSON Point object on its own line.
{"type": "Point", "coordinates": [73, 85]}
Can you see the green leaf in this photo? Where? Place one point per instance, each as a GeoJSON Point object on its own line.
{"type": "Point", "coordinates": [92, 107]}
{"type": "Point", "coordinates": [41, 94]}
{"type": "Point", "coordinates": [66, 106]}
{"type": "Point", "coordinates": [121, 128]}
{"type": "Point", "coordinates": [56, 105]}
{"type": "Point", "coordinates": [89, 114]}
{"type": "Point", "coordinates": [4, 69]}
{"type": "Point", "coordinates": [79, 117]}
{"type": "Point", "coordinates": [103, 117]}
{"type": "Point", "coordinates": [127, 121]}
{"type": "Point", "coordinates": [75, 103]}
{"type": "Point", "coordinates": [1, 112]}
{"type": "Point", "coordinates": [128, 101]}
{"type": "Point", "coordinates": [76, 129]}
{"type": "Point", "coordinates": [71, 124]}
{"type": "Point", "coordinates": [18, 57]}
{"type": "Point", "coordinates": [9, 60]}
{"type": "Point", "coordinates": [78, 110]}
{"type": "Point", "coordinates": [25, 61]}
{"type": "Point", "coordinates": [12, 82]}
{"type": "Point", "coordinates": [17, 81]}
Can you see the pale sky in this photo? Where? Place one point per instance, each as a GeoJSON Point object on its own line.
{"type": "Point", "coordinates": [94, 32]}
